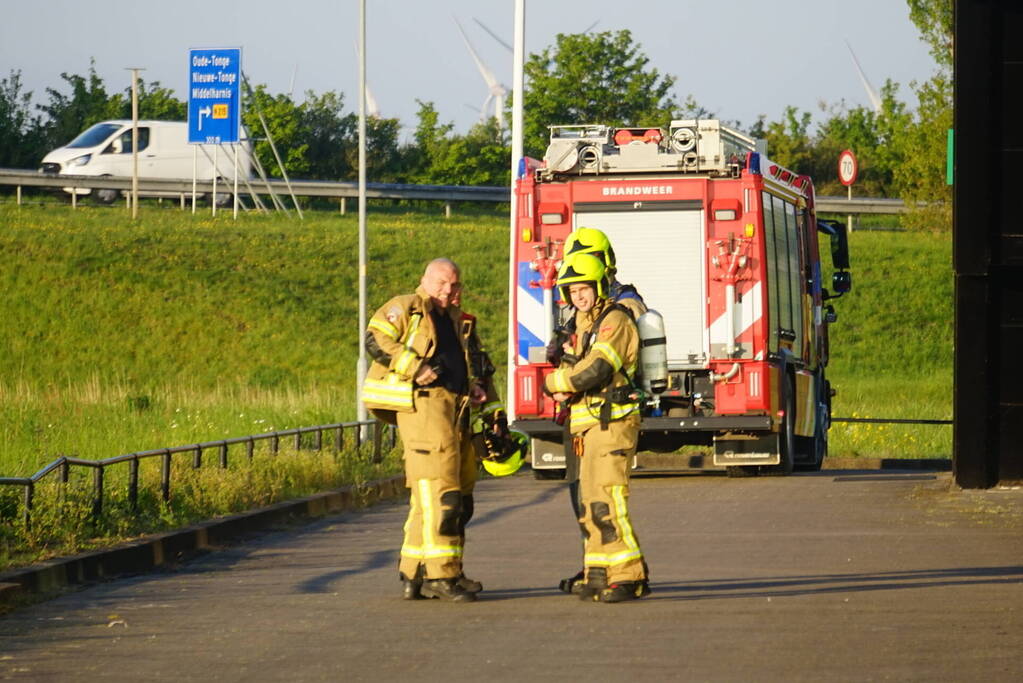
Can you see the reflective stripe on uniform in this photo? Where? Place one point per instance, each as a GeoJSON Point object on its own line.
{"type": "Point", "coordinates": [408, 356]}
{"type": "Point", "coordinates": [585, 414]}
{"type": "Point", "coordinates": [385, 327]}
{"type": "Point", "coordinates": [430, 548]}
{"type": "Point", "coordinates": [407, 549]}
{"type": "Point", "coordinates": [391, 391]}
{"type": "Point", "coordinates": [608, 351]}
{"type": "Point", "coordinates": [632, 551]}
{"type": "Point", "coordinates": [405, 361]}
{"type": "Point", "coordinates": [491, 407]}
{"type": "Point", "coordinates": [559, 381]}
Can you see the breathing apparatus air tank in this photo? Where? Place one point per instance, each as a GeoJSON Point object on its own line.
{"type": "Point", "coordinates": [653, 352]}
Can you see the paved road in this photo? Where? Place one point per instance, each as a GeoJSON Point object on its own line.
{"type": "Point", "coordinates": [833, 576]}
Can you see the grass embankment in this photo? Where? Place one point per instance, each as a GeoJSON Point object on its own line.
{"type": "Point", "coordinates": [122, 337]}
{"type": "Point", "coordinates": [892, 346]}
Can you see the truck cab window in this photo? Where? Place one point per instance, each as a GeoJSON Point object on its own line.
{"type": "Point", "coordinates": [122, 143]}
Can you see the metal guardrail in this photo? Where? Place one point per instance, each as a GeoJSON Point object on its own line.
{"type": "Point", "coordinates": [345, 190]}
{"type": "Point", "coordinates": [860, 205]}
{"type": "Point", "coordinates": [64, 464]}
{"type": "Point", "coordinates": [304, 188]}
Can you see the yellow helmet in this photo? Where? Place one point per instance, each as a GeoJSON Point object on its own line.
{"type": "Point", "coordinates": [505, 455]}
{"type": "Point", "coordinates": [582, 268]}
{"type": "Point", "coordinates": [590, 241]}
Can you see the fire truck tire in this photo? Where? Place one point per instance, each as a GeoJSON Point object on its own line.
{"type": "Point", "coordinates": [815, 449]}
{"type": "Point", "coordinates": [786, 435]}
{"type": "Point", "coordinates": [548, 475]}
{"type": "Point", "coordinates": [739, 471]}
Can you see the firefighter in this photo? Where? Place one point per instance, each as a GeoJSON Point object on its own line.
{"type": "Point", "coordinates": [591, 241]}
{"type": "Point", "coordinates": [488, 414]}
{"type": "Point", "coordinates": [595, 380]}
{"type": "Point", "coordinates": [421, 379]}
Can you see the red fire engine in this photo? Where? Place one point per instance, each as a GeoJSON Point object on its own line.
{"type": "Point", "coordinates": [723, 243]}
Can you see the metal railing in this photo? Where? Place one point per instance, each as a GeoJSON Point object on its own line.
{"type": "Point", "coordinates": [344, 190]}
{"type": "Point", "coordinates": [303, 188]}
{"type": "Point", "coordinates": [63, 464]}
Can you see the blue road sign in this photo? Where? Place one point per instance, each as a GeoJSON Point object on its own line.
{"type": "Point", "coordinates": [214, 98]}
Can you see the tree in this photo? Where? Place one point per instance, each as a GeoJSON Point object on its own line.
{"type": "Point", "coordinates": [385, 157]}
{"type": "Point", "coordinates": [20, 140]}
{"type": "Point", "coordinates": [155, 102]}
{"type": "Point", "coordinates": [283, 122]}
{"type": "Point", "coordinates": [920, 177]}
{"type": "Point", "coordinates": [935, 20]}
{"type": "Point", "coordinates": [68, 115]}
{"type": "Point", "coordinates": [592, 78]}
{"type": "Point", "coordinates": [328, 134]}
{"type": "Point", "coordinates": [441, 157]}
{"type": "Point", "coordinates": [788, 141]}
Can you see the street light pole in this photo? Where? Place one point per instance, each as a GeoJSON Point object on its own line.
{"type": "Point", "coordinates": [518, 54]}
{"type": "Point", "coordinates": [362, 366]}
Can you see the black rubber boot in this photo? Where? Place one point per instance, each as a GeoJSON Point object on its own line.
{"type": "Point", "coordinates": [412, 588]}
{"type": "Point", "coordinates": [468, 584]}
{"type": "Point", "coordinates": [621, 592]}
{"type": "Point", "coordinates": [573, 585]}
{"type": "Point", "coordinates": [447, 590]}
{"type": "Point", "coordinates": [595, 584]}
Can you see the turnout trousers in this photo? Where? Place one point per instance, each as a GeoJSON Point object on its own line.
{"type": "Point", "coordinates": [610, 542]}
{"type": "Point", "coordinates": [434, 442]}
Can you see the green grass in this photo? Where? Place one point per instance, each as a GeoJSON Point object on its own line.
{"type": "Point", "coordinates": [892, 345]}
{"type": "Point", "coordinates": [120, 337]}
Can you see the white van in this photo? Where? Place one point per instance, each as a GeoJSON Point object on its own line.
{"type": "Point", "coordinates": [164, 152]}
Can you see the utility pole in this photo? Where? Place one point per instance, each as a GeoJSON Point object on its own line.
{"type": "Point", "coordinates": [135, 142]}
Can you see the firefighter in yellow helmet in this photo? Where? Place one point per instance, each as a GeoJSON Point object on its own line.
{"type": "Point", "coordinates": [421, 379]}
{"type": "Point", "coordinates": [595, 380]}
{"type": "Point", "coordinates": [591, 241]}
{"type": "Point", "coordinates": [584, 240]}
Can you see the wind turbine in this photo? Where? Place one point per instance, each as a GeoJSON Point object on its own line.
{"type": "Point", "coordinates": [872, 94]}
{"type": "Point", "coordinates": [505, 44]}
{"type": "Point", "coordinates": [495, 91]}
{"type": "Point", "coordinates": [371, 103]}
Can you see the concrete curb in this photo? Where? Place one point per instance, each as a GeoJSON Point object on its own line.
{"type": "Point", "coordinates": [166, 548]}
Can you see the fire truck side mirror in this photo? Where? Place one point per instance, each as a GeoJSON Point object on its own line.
{"type": "Point", "coordinates": [841, 282]}
{"type": "Point", "coordinates": [839, 242]}
{"type": "Point", "coordinates": [840, 247]}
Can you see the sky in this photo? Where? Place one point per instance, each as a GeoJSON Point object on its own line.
{"type": "Point", "coordinates": [738, 59]}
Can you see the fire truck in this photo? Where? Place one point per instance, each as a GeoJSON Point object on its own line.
{"type": "Point", "coordinates": [724, 244]}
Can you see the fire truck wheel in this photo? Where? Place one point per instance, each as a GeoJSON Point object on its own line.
{"type": "Point", "coordinates": [549, 474]}
{"type": "Point", "coordinates": [787, 434]}
{"type": "Point", "coordinates": [815, 448]}
{"type": "Point", "coordinates": [738, 472]}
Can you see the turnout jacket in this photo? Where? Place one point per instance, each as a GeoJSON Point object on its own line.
{"type": "Point", "coordinates": [606, 346]}
{"type": "Point", "coordinates": [400, 338]}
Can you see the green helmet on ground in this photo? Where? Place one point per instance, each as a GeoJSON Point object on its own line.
{"type": "Point", "coordinates": [505, 455]}
{"type": "Point", "coordinates": [590, 241]}
{"type": "Point", "coordinates": [583, 269]}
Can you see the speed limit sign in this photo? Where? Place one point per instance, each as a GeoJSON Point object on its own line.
{"type": "Point", "coordinates": [848, 167]}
